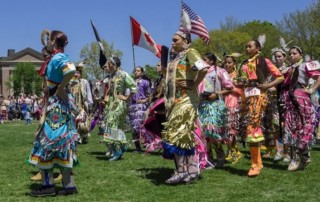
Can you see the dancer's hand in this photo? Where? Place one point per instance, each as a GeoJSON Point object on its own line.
{"type": "Point", "coordinates": [142, 101]}
{"type": "Point", "coordinates": [61, 93]}
{"type": "Point", "coordinates": [212, 97]}
{"type": "Point", "coordinates": [308, 90]}
{"type": "Point", "coordinates": [272, 89]}
{"type": "Point", "coordinates": [264, 86]}
{"type": "Point", "coordinates": [187, 84]}
{"type": "Point", "coordinates": [122, 97]}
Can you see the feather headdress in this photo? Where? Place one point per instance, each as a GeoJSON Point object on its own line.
{"type": "Point", "coordinates": [283, 49]}
{"type": "Point", "coordinates": [262, 40]}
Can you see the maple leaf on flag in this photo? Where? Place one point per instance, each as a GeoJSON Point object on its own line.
{"type": "Point", "coordinates": [141, 38]}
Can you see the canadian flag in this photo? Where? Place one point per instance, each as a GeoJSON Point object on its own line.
{"type": "Point", "coordinates": [140, 37]}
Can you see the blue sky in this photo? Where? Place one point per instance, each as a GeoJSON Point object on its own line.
{"type": "Point", "coordinates": [22, 21]}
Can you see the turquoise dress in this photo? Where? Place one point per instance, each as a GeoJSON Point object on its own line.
{"type": "Point", "coordinates": [55, 142]}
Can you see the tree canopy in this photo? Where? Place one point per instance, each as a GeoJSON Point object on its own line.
{"type": "Point", "coordinates": [24, 79]}
{"type": "Point", "coordinates": [90, 53]}
{"type": "Point", "coordinates": [303, 27]}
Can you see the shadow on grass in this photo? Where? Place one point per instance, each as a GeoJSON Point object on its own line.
{"type": "Point", "coordinates": [37, 186]}
{"type": "Point", "coordinates": [34, 172]}
{"type": "Point", "coordinates": [157, 176]}
{"type": "Point", "coordinates": [155, 153]}
{"type": "Point", "coordinates": [130, 150]}
{"type": "Point", "coordinates": [316, 148]}
{"type": "Point", "coordinates": [106, 158]}
{"type": "Point", "coordinates": [235, 171]}
{"type": "Point", "coordinates": [99, 155]}
{"type": "Point", "coordinates": [275, 166]}
{"type": "Point", "coordinates": [34, 186]}
{"type": "Point", "coordinates": [96, 153]}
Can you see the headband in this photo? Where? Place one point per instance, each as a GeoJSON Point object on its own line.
{"type": "Point", "coordinates": [182, 34]}
{"type": "Point", "coordinates": [298, 48]}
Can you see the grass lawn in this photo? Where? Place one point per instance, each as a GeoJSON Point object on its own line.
{"type": "Point", "coordinates": [140, 177]}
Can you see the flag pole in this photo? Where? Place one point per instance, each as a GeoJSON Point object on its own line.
{"type": "Point", "coordinates": [134, 60]}
{"type": "Point", "coordinates": [132, 45]}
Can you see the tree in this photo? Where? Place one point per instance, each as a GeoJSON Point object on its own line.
{"type": "Point", "coordinates": [151, 72]}
{"type": "Point", "coordinates": [223, 42]}
{"type": "Point", "coordinates": [9, 84]}
{"type": "Point", "coordinates": [24, 79]}
{"type": "Point", "coordinates": [256, 28]}
{"type": "Point", "coordinates": [303, 27]}
{"type": "Point", "coordinates": [37, 85]}
{"type": "Point", "coordinates": [90, 53]}
{"type": "Point", "coordinates": [230, 24]}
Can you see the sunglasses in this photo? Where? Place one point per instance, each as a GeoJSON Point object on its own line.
{"type": "Point", "coordinates": [174, 40]}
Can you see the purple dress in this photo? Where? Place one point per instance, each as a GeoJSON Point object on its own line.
{"type": "Point", "coordinates": [137, 110]}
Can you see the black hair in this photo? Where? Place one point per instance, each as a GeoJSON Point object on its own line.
{"type": "Point", "coordinates": [262, 69]}
{"type": "Point", "coordinates": [211, 56]}
{"type": "Point", "coordinates": [117, 61]}
{"type": "Point", "coordinates": [297, 48]}
{"type": "Point", "coordinates": [141, 68]}
{"type": "Point", "coordinates": [228, 56]}
{"type": "Point", "coordinates": [293, 85]}
{"type": "Point", "coordinates": [60, 38]}
{"type": "Point", "coordinates": [143, 75]}
{"type": "Point", "coordinates": [257, 43]}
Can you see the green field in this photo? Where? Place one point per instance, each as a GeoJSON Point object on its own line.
{"type": "Point", "coordinates": [140, 177]}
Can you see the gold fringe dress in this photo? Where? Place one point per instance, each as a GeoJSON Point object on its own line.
{"type": "Point", "coordinates": [181, 105]}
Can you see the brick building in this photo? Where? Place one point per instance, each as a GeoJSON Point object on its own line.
{"type": "Point", "coordinates": [8, 64]}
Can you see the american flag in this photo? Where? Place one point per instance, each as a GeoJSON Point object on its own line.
{"type": "Point", "coordinates": [197, 25]}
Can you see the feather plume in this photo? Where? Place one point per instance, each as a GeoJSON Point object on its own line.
{"type": "Point", "coordinates": [307, 58]}
{"type": "Point", "coordinates": [284, 44]}
{"type": "Point", "coordinates": [236, 55]}
{"type": "Point", "coordinates": [275, 50]}
{"type": "Point", "coordinates": [185, 21]}
{"type": "Point", "coordinates": [219, 59]}
{"type": "Point", "coordinates": [262, 39]}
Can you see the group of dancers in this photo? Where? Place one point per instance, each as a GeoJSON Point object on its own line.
{"type": "Point", "coordinates": [193, 108]}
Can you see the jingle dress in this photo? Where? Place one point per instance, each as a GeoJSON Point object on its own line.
{"type": "Point", "coordinates": [55, 142]}
{"type": "Point", "coordinates": [116, 111]}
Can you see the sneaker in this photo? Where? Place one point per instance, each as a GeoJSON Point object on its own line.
{"type": "Point", "coordinates": [49, 190]}
{"type": "Point", "coordinates": [209, 166]}
{"type": "Point", "coordinates": [191, 178]}
{"type": "Point", "coordinates": [67, 191]}
{"type": "Point", "coordinates": [108, 154]}
{"type": "Point", "coordinates": [37, 177]}
{"type": "Point", "coordinates": [294, 165]}
{"type": "Point", "coordinates": [236, 156]}
{"type": "Point", "coordinates": [229, 156]}
{"type": "Point", "coordinates": [58, 179]}
{"type": "Point", "coordinates": [263, 147]}
{"type": "Point", "coordinates": [278, 157]}
{"type": "Point", "coordinates": [116, 156]}
{"type": "Point", "coordinates": [177, 177]}
{"type": "Point", "coordinates": [286, 159]}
